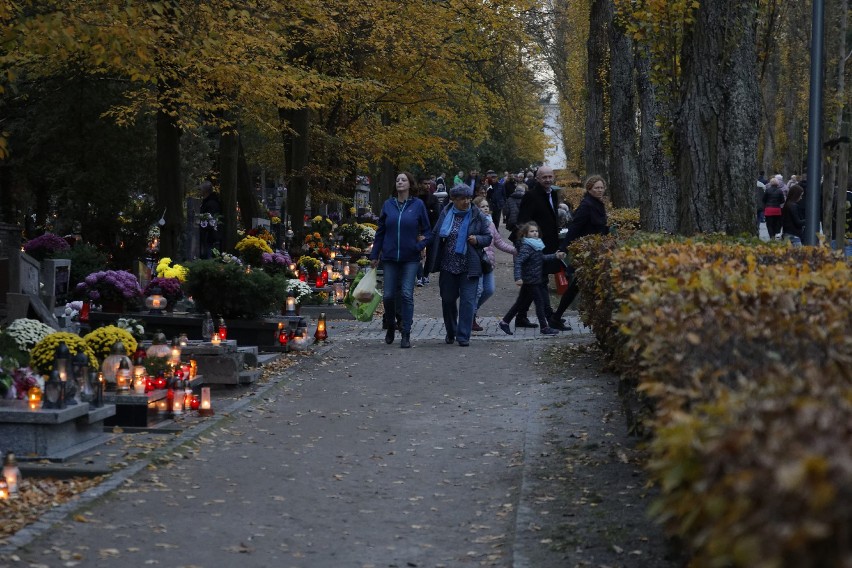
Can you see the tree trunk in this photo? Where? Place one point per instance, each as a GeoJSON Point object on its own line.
{"type": "Point", "coordinates": [770, 114]}
{"type": "Point", "coordinates": [657, 184]}
{"type": "Point", "coordinates": [228, 152]}
{"type": "Point", "coordinates": [623, 184]}
{"type": "Point", "coordinates": [170, 192]}
{"type": "Point", "coordinates": [595, 153]}
{"type": "Point", "coordinates": [249, 206]}
{"type": "Point", "coordinates": [295, 127]}
{"type": "Point", "coordinates": [843, 130]}
{"type": "Point", "coordinates": [717, 127]}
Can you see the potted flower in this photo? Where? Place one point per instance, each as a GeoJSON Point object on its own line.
{"type": "Point", "coordinates": [167, 269]}
{"type": "Point", "coordinates": [27, 332]}
{"type": "Point", "coordinates": [310, 265]}
{"type": "Point", "coordinates": [113, 289]}
{"type": "Point", "coordinates": [45, 246]}
{"type": "Point", "coordinates": [101, 340]}
{"type": "Point", "coordinates": [276, 262]}
{"type": "Point", "coordinates": [251, 250]}
{"type": "Point", "coordinates": [300, 290]}
{"type": "Point", "coordinates": [170, 289]}
{"type": "Point", "coordinates": [43, 354]}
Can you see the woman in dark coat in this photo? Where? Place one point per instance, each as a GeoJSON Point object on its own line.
{"type": "Point", "coordinates": [458, 240]}
{"type": "Point", "coordinates": [589, 219]}
{"type": "Point", "coordinates": [793, 216]}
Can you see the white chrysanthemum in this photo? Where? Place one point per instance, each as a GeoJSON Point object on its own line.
{"type": "Point", "coordinates": [27, 332]}
{"type": "Point", "coordinates": [300, 289]}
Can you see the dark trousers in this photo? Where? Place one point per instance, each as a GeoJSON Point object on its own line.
{"type": "Point", "coordinates": [495, 215]}
{"type": "Point", "coordinates": [773, 225]}
{"type": "Point", "coordinates": [528, 294]}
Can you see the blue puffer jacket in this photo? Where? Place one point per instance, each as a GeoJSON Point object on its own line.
{"type": "Point", "coordinates": [398, 228]}
{"type": "Point", "coordinates": [529, 264]}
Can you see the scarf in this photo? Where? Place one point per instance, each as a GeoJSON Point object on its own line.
{"type": "Point", "coordinates": [461, 240]}
{"type": "Point", "coordinates": [536, 244]}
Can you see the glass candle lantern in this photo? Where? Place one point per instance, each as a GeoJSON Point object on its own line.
{"type": "Point", "coordinates": [193, 365]}
{"type": "Point", "coordinates": [123, 375]}
{"type": "Point", "coordinates": [11, 473]}
{"type": "Point", "coordinates": [34, 397]}
{"type": "Point", "coordinates": [4, 490]}
{"type": "Point", "coordinates": [205, 408]}
{"type": "Point", "coordinates": [174, 353]}
{"type": "Point", "coordinates": [321, 333]}
{"type": "Point", "coordinates": [139, 379]}
{"type": "Point", "coordinates": [216, 340]}
{"type": "Point", "coordinates": [339, 292]}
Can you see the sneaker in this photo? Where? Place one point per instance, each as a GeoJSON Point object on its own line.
{"type": "Point", "coordinates": [449, 339]}
{"type": "Point", "coordinates": [476, 326]}
{"type": "Point", "coordinates": [425, 280]}
{"type": "Point", "coordinates": [549, 331]}
{"type": "Point", "coordinates": [558, 324]}
{"type": "Point", "coordinates": [505, 327]}
{"type": "Point", "coordinates": [525, 323]}
{"type": "Point", "coordinates": [419, 283]}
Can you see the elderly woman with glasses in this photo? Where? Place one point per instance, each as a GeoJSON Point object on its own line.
{"type": "Point", "coordinates": [458, 240]}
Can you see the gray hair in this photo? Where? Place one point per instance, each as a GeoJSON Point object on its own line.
{"type": "Point", "coordinates": [461, 190]}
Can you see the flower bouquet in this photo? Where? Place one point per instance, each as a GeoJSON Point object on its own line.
{"type": "Point", "coordinates": [113, 286]}
{"type": "Point", "coordinates": [133, 326]}
{"type": "Point", "coordinates": [167, 269]}
{"type": "Point", "coordinates": [299, 289]}
{"type": "Point", "coordinates": [276, 262]}
{"type": "Point", "coordinates": [43, 354]}
{"type": "Point", "coordinates": [45, 246]}
{"type": "Point", "coordinates": [206, 220]}
{"type": "Point", "coordinates": [310, 264]}
{"type": "Point", "coordinates": [170, 289]}
{"type": "Point", "coordinates": [101, 340]}
{"type": "Point", "coordinates": [27, 332]}
{"type": "Point", "coordinates": [251, 249]}
{"type": "Point", "coordinates": [322, 225]}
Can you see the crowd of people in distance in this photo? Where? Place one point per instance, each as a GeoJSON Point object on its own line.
{"type": "Point", "coordinates": [430, 226]}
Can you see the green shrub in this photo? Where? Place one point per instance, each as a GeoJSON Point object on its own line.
{"type": "Point", "coordinates": [231, 291]}
{"type": "Point", "coordinates": [85, 260]}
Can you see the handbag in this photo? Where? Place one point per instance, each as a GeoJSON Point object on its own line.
{"type": "Point", "coordinates": [562, 282]}
{"type": "Point", "coordinates": [487, 267]}
{"type": "Point", "coordinates": [362, 311]}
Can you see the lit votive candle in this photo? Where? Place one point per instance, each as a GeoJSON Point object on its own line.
{"type": "Point", "coordinates": [215, 340]}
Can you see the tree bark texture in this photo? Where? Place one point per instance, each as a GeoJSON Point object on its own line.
{"type": "Point", "coordinates": [170, 194]}
{"type": "Point", "coordinates": [843, 152]}
{"type": "Point", "coordinates": [296, 155]}
{"type": "Point", "coordinates": [623, 184]}
{"type": "Point", "coordinates": [595, 151]}
{"type": "Point", "coordinates": [657, 183]}
{"type": "Point", "coordinates": [228, 152]}
{"type": "Point", "coordinates": [716, 130]}
{"type": "Point", "coordinates": [769, 94]}
{"type": "Point", "coordinates": [246, 197]}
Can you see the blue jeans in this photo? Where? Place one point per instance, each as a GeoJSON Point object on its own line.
{"type": "Point", "coordinates": [458, 318]}
{"type": "Point", "coordinates": [399, 276]}
{"type": "Point", "coordinates": [484, 290]}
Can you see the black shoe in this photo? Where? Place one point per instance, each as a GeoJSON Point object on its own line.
{"type": "Point", "coordinates": [389, 335]}
{"type": "Point", "coordinates": [405, 342]}
{"type": "Point", "coordinates": [505, 327]}
{"type": "Point", "coordinates": [476, 326]}
{"type": "Point", "coordinates": [449, 339]}
{"type": "Point", "coordinates": [464, 343]}
{"type": "Point", "coordinates": [549, 331]}
{"type": "Point", "coordinates": [524, 323]}
{"type": "Point", "coordinates": [556, 323]}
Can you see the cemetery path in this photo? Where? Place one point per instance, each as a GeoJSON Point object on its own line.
{"type": "Point", "coordinates": [506, 453]}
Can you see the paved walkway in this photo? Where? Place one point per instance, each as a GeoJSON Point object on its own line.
{"type": "Point", "coordinates": [368, 455]}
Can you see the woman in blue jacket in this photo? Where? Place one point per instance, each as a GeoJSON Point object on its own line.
{"type": "Point", "coordinates": [401, 237]}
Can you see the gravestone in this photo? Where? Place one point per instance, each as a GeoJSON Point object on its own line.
{"type": "Point", "coordinates": [56, 277]}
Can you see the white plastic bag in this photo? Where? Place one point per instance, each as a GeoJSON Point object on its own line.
{"type": "Point", "coordinates": [366, 288]}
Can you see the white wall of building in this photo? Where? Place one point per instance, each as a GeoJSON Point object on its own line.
{"type": "Point", "coordinates": [554, 155]}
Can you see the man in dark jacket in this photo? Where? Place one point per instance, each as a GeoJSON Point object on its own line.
{"type": "Point", "coordinates": [494, 192]}
{"type": "Point", "coordinates": [540, 204]}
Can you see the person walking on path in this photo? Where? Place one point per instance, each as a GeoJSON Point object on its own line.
{"type": "Point", "coordinates": [540, 204]}
{"type": "Point", "coordinates": [513, 207]}
{"type": "Point", "coordinates": [529, 272]}
{"type": "Point", "coordinates": [793, 216]}
{"type": "Point", "coordinates": [402, 233]}
{"type": "Point", "coordinates": [461, 232]}
{"type": "Point", "coordinates": [589, 219]}
{"type": "Point", "coordinates": [773, 200]}
{"type": "Point", "coordinates": [486, 282]}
